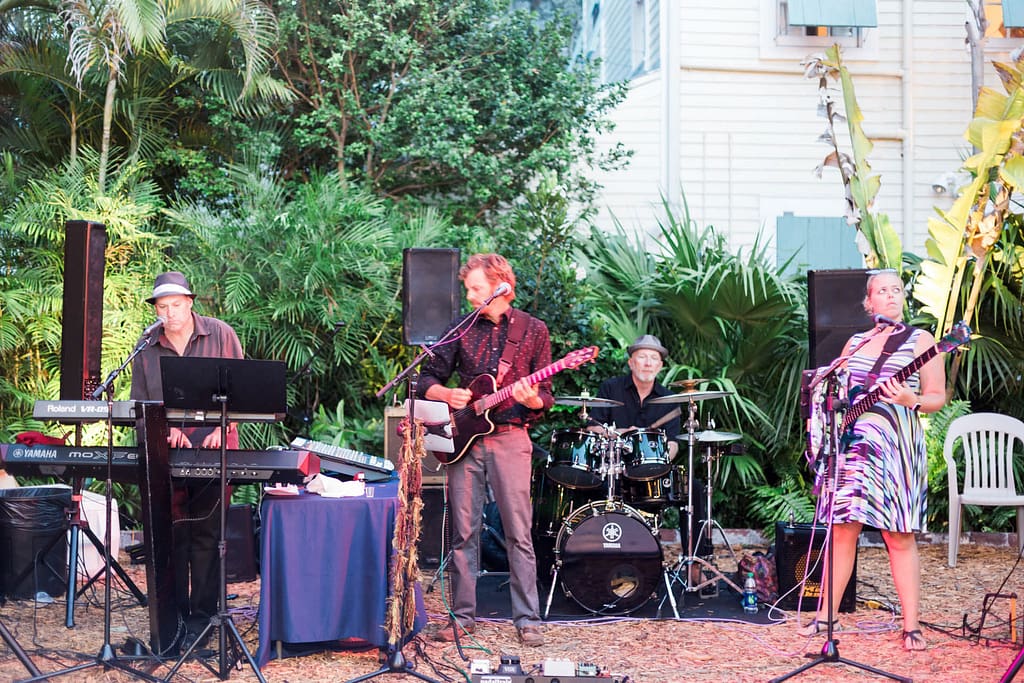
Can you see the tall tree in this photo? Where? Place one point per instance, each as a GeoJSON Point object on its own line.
{"type": "Point", "coordinates": [463, 101]}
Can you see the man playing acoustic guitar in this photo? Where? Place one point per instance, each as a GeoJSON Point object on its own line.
{"type": "Point", "coordinates": [508, 345]}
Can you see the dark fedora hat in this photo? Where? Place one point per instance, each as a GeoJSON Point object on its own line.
{"type": "Point", "coordinates": [647, 341]}
{"type": "Point", "coordinates": [170, 284]}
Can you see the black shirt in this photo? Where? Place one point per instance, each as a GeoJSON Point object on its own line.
{"type": "Point", "coordinates": [633, 412]}
{"type": "Point", "coordinates": [478, 351]}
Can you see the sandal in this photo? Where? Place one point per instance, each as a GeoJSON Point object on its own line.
{"type": "Point", "coordinates": [914, 640]}
{"type": "Point", "coordinates": [816, 626]}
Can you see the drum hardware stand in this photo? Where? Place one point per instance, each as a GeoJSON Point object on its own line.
{"type": "Point", "coordinates": [687, 562]}
{"type": "Point", "coordinates": [107, 655]}
{"type": "Point", "coordinates": [710, 525]}
{"type": "Point", "coordinates": [830, 650]}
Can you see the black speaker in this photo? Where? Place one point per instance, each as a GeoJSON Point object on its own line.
{"type": "Point", "coordinates": [82, 319]}
{"type": "Point", "coordinates": [430, 293]}
{"type": "Point", "coordinates": [431, 518]}
{"type": "Point", "coordinates": [795, 556]}
{"type": "Point", "coordinates": [835, 311]}
{"type": "Point", "coordinates": [240, 545]}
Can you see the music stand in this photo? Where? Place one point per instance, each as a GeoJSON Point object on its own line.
{"type": "Point", "coordinates": [205, 390]}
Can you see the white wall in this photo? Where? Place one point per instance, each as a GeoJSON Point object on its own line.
{"type": "Point", "coordinates": [747, 121]}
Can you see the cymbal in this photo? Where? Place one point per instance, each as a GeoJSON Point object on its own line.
{"type": "Point", "coordinates": [687, 384]}
{"type": "Point", "coordinates": [585, 401]}
{"type": "Point", "coordinates": [711, 436]}
{"type": "Point", "coordinates": [687, 396]}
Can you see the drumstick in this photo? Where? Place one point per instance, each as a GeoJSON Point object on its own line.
{"type": "Point", "coordinates": [675, 412]}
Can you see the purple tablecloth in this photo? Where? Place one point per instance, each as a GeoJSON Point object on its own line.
{"type": "Point", "coordinates": [324, 572]}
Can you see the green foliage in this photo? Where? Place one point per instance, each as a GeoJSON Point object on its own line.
{"type": "Point", "coordinates": [937, 424]}
{"type": "Point", "coordinates": [285, 266]}
{"type": "Point", "coordinates": [882, 242]}
{"type": "Point", "coordinates": [463, 102]}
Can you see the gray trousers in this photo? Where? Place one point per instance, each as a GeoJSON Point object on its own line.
{"type": "Point", "coordinates": [502, 460]}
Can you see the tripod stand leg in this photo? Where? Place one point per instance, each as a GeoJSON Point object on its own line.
{"type": "Point", "coordinates": [140, 597]}
{"type": "Point", "coordinates": [551, 591]}
{"type": "Point", "coordinates": [8, 638]}
{"type": "Point", "coordinates": [668, 591]}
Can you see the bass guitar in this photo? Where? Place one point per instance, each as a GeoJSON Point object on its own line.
{"type": "Point", "coordinates": [469, 423]}
{"type": "Point", "coordinates": [959, 334]}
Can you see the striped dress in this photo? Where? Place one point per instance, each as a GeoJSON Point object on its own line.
{"type": "Point", "coordinates": [883, 475]}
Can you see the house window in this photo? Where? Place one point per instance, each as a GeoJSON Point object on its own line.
{"type": "Point", "coordinates": [1005, 18]}
{"type": "Point", "coordinates": [833, 20]}
{"type": "Point", "coordinates": [815, 243]}
{"type": "Point", "coordinates": [625, 34]}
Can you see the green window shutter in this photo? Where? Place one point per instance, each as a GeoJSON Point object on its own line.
{"type": "Point", "coordinates": [1013, 13]}
{"type": "Point", "coordinates": [815, 243]}
{"type": "Point", "coordinates": [833, 13]}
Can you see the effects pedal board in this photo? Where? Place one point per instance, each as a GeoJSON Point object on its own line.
{"type": "Point", "coordinates": [538, 678]}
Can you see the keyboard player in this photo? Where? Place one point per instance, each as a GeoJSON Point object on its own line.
{"type": "Point", "coordinates": [195, 515]}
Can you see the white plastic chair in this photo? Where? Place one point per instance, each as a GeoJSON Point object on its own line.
{"type": "Point", "coordinates": [989, 441]}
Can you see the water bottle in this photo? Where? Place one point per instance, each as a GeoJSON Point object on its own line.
{"type": "Point", "coordinates": [749, 600]}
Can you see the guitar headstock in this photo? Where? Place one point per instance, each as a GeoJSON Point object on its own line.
{"type": "Point", "coordinates": [959, 334]}
{"type": "Point", "coordinates": [580, 356]}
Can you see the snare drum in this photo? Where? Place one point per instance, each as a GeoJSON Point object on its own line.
{"type": "Point", "coordinates": [575, 458]}
{"type": "Point", "coordinates": [645, 455]}
{"type": "Point", "coordinates": [609, 560]}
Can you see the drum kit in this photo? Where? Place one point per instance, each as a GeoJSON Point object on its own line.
{"type": "Point", "coordinates": [599, 501]}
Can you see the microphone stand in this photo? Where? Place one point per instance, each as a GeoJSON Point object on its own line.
{"type": "Point", "coordinates": [395, 661]}
{"type": "Point", "coordinates": [107, 656]}
{"type": "Point", "coordinates": [830, 650]}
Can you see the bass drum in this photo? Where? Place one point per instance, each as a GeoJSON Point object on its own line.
{"type": "Point", "coordinates": [609, 560]}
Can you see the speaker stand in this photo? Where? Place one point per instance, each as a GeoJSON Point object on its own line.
{"type": "Point", "coordinates": [8, 638]}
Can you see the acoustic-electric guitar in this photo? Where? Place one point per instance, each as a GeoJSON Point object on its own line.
{"type": "Point", "coordinates": [473, 421]}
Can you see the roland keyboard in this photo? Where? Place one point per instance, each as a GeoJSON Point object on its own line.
{"type": "Point", "coordinates": [347, 461]}
{"type": "Point", "coordinates": [285, 466]}
{"type": "Point", "coordinates": [83, 411]}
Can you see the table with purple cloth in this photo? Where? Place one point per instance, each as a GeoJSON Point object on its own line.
{"type": "Point", "coordinates": [324, 572]}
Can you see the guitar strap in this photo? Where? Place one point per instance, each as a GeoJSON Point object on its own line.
{"type": "Point", "coordinates": [516, 331]}
{"type": "Point", "coordinates": [894, 341]}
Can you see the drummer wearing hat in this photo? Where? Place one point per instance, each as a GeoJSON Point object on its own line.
{"type": "Point", "coordinates": [194, 502]}
{"type": "Point", "coordinates": [646, 359]}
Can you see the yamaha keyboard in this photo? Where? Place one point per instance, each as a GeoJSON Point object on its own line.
{"type": "Point", "coordinates": [285, 466]}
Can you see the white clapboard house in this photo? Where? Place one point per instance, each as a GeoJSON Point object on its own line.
{"type": "Point", "coordinates": [719, 109]}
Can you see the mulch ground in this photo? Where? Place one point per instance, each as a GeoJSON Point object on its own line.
{"type": "Point", "coordinates": [967, 642]}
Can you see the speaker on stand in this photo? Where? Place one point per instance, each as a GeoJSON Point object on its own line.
{"type": "Point", "coordinates": [82, 319]}
{"type": "Point", "coordinates": [835, 311]}
{"type": "Point", "coordinates": [430, 293]}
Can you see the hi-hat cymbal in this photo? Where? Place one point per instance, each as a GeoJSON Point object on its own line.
{"type": "Point", "coordinates": [586, 401]}
{"type": "Point", "coordinates": [687, 396]}
{"type": "Point", "coordinates": [711, 436]}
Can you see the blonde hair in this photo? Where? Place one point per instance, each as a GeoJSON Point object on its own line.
{"type": "Point", "coordinates": [872, 276]}
{"type": "Point", "coordinates": [496, 269]}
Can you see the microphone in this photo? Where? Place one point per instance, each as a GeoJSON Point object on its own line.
{"type": "Point", "coordinates": [885, 322]}
{"type": "Point", "coordinates": [154, 327]}
{"type": "Point", "coordinates": [502, 289]}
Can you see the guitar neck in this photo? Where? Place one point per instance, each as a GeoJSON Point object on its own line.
{"type": "Point", "coordinates": [506, 391]}
{"type": "Point", "coordinates": [871, 398]}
